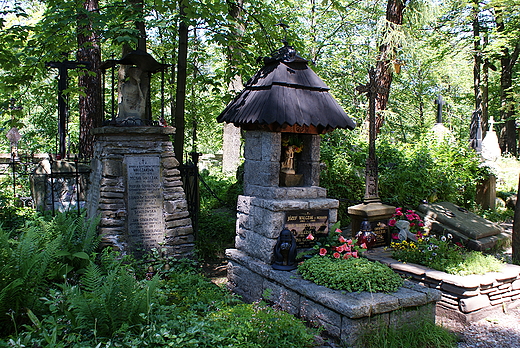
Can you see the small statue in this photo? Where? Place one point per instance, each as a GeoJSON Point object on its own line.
{"type": "Point", "coordinates": [133, 93]}
{"type": "Point", "coordinates": [288, 163]}
{"type": "Point", "coordinates": [285, 252]}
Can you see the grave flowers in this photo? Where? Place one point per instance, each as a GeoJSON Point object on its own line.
{"type": "Point", "coordinates": [406, 224]}
{"type": "Point", "coordinates": [336, 246]}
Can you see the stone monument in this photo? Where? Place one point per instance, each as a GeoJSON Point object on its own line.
{"type": "Point", "coordinates": [372, 209]}
{"type": "Point", "coordinates": [282, 110]}
{"type": "Point", "coordinates": [135, 184]}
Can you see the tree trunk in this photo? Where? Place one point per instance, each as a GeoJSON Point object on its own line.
{"type": "Point", "coordinates": [508, 60]}
{"type": "Point", "coordinates": [90, 103]}
{"type": "Point", "coordinates": [180, 94]}
{"type": "Point", "coordinates": [384, 69]}
{"type": "Point", "coordinates": [516, 230]}
{"type": "Point", "coordinates": [477, 58]}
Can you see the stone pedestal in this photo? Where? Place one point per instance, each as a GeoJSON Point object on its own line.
{"type": "Point", "coordinates": [377, 214]}
{"type": "Point", "coordinates": [136, 189]}
{"type": "Point", "coordinates": [487, 193]}
{"type": "Point", "coordinates": [264, 207]}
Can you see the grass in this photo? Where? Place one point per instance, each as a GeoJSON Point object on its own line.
{"type": "Point", "coordinates": [423, 333]}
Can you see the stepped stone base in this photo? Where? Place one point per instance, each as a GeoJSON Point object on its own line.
{"type": "Point", "coordinates": [464, 298]}
{"type": "Point", "coordinates": [344, 315]}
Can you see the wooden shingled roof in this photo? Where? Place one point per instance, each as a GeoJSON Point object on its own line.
{"type": "Point", "coordinates": [286, 95]}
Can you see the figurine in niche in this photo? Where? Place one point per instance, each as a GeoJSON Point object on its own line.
{"type": "Point", "coordinates": [133, 93]}
{"type": "Point", "coordinates": [290, 146]}
{"type": "Point", "coordinates": [285, 252]}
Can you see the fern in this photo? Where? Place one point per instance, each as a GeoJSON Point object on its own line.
{"type": "Point", "coordinates": [109, 297]}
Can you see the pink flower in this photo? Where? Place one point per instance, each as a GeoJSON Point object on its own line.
{"type": "Point", "coordinates": [391, 222]}
{"type": "Point", "coordinates": [341, 248]}
{"type": "Point", "coordinates": [310, 237]}
{"type": "Point", "coordinates": [346, 247]}
{"type": "Point", "coordinates": [336, 255]}
{"type": "Point", "coordinates": [342, 239]}
{"type": "Point", "coordinates": [363, 246]}
{"type": "Point", "coordinates": [347, 256]}
{"type": "Point", "coordinates": [355, 254]}
{"type": "Point", "coordinates": [412, 224]}
{"type": "Point", "coordinates": [421, 224]}
{"type": "Point", "coordinates": [349, 242]}
{"type": "Point", "coordinates": [395, 236]}
{"type": "Point", "coordinates": [323, 251]}
{"type": "Point", "coordinates": [399, 213]}
{"type": "Point", "coordinates": [338, 230]}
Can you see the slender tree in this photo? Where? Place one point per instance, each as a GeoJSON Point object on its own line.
{"type": "Point", "coordinates": [90, 98]}
{"type": "Point", "coordinates": [384, 68]}
{"type": "Point", "coordinates": [180, 94]}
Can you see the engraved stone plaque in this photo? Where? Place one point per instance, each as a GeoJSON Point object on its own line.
{"type": "Point", "coordinates": [303, 222]}
{"type": "Point", "coordinates": [145, 201]}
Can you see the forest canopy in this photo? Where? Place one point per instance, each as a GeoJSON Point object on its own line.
{"type": "Point", "coordinates": [465, 51]}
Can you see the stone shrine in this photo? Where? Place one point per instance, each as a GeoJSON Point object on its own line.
{"type": "Point", "coordinates": [283, 109]}
{"type": "Point", "coordinates": [286, 105]}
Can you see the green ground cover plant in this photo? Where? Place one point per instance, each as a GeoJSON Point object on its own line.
{"type": "Point", "coordinates": [58, 290]}
{"type": "Point", "coordinates": [352, 275]}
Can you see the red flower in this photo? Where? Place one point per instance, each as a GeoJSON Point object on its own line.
{"type": "Point", "coordinates": [336, 255]}
{"type": "Point", "coordinates": [347, 256]}
{"type": "Point", "coordinates": [323, 251]}
{"type": "Point", "coordinates": [349, 242]}
{"type": "Point", "coordinates": [310, 237]}
{"type": "Point", "coordinates": [341, 248]}
{"type": "Point", "coordinates": [354, 254]}
{"type": "Point", "coordinates": [363, 246]}
{"type": "Point", "coordinates": [342, 239]}
{"type": "Point", "coordinates": [338, 230]}
{"type": "Point", "coordinates": [391, 222]}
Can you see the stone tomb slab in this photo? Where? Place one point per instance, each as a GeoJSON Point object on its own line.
{"type": "Point", "coordinates": [145, 201]}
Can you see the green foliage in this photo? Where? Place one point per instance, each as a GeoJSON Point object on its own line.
{"type": "Point", "coordinates": [260, 326]}
{"type": "Point", "coordinates": [422, 333]}
{"type": "Point", "coordinates": [109, 298]}
{"type": "Point", "coordinates": [218, 214]}
{"type": "Point", "coordinates": [443, 255]}
{"type": "Point", "coordinates": [431, 169]}
{"type": "Point", "coordinates": [45, 250]}
{"type": "Point", "coordinates": [352, 275]}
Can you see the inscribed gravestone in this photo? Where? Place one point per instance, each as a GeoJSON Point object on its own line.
{"type": "Point", "coordinates": [145, 201]}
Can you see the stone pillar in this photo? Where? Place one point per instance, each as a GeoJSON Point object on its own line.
{"type": "Point", "coordinates": [231, 148]}
{"type": "Point", "coordinates": [264, 206]}
{"type": "Point", "coordinates": [136, 189]}
{"type": "Point", "coordinates": [487, 192]}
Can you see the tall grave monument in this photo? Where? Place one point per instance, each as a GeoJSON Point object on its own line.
{"type": "Point", "coordinates": [283, 110]}
{"type": "Point", "coordinates": [135, 185]}
{"type": "Point", "coordinates": [372, 209]}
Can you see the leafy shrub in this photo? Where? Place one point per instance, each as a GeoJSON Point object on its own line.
{"type": "Point", "coordinates": [431, 169]}
{"type": "Point", "coordinates": [443, 255]}
{"type": "Point", "coordinates": [352, 275]}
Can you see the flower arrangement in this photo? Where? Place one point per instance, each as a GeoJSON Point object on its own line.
{"type": "Point", "coordinates": [406, 225]}
{"type": "Point", "coordinates": [442, 254]}
{"type": "Point", "coordinates": [337, 246]}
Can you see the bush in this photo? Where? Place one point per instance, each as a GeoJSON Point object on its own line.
{"type": "Point", "coordinates": [352, 275]}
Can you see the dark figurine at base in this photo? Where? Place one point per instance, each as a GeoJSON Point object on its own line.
{"type": "Point", "coordinates": [366, 235]}
{"type": "Point", "coordinates": [285, 252]}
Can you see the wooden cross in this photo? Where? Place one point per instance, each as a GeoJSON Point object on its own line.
{"type": "Point", "coordinates": [371, 178]}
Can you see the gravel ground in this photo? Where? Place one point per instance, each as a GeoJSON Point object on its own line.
{"type": "Point", "coordinates": [500, 331]}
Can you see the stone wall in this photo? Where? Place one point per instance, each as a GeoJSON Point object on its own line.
{"type": "Point", "coordinates": [138, 213]}
{"type": "Point", "coordinates": [344, 315]}
{"type": "Point", "coordinates": [464, 298]}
